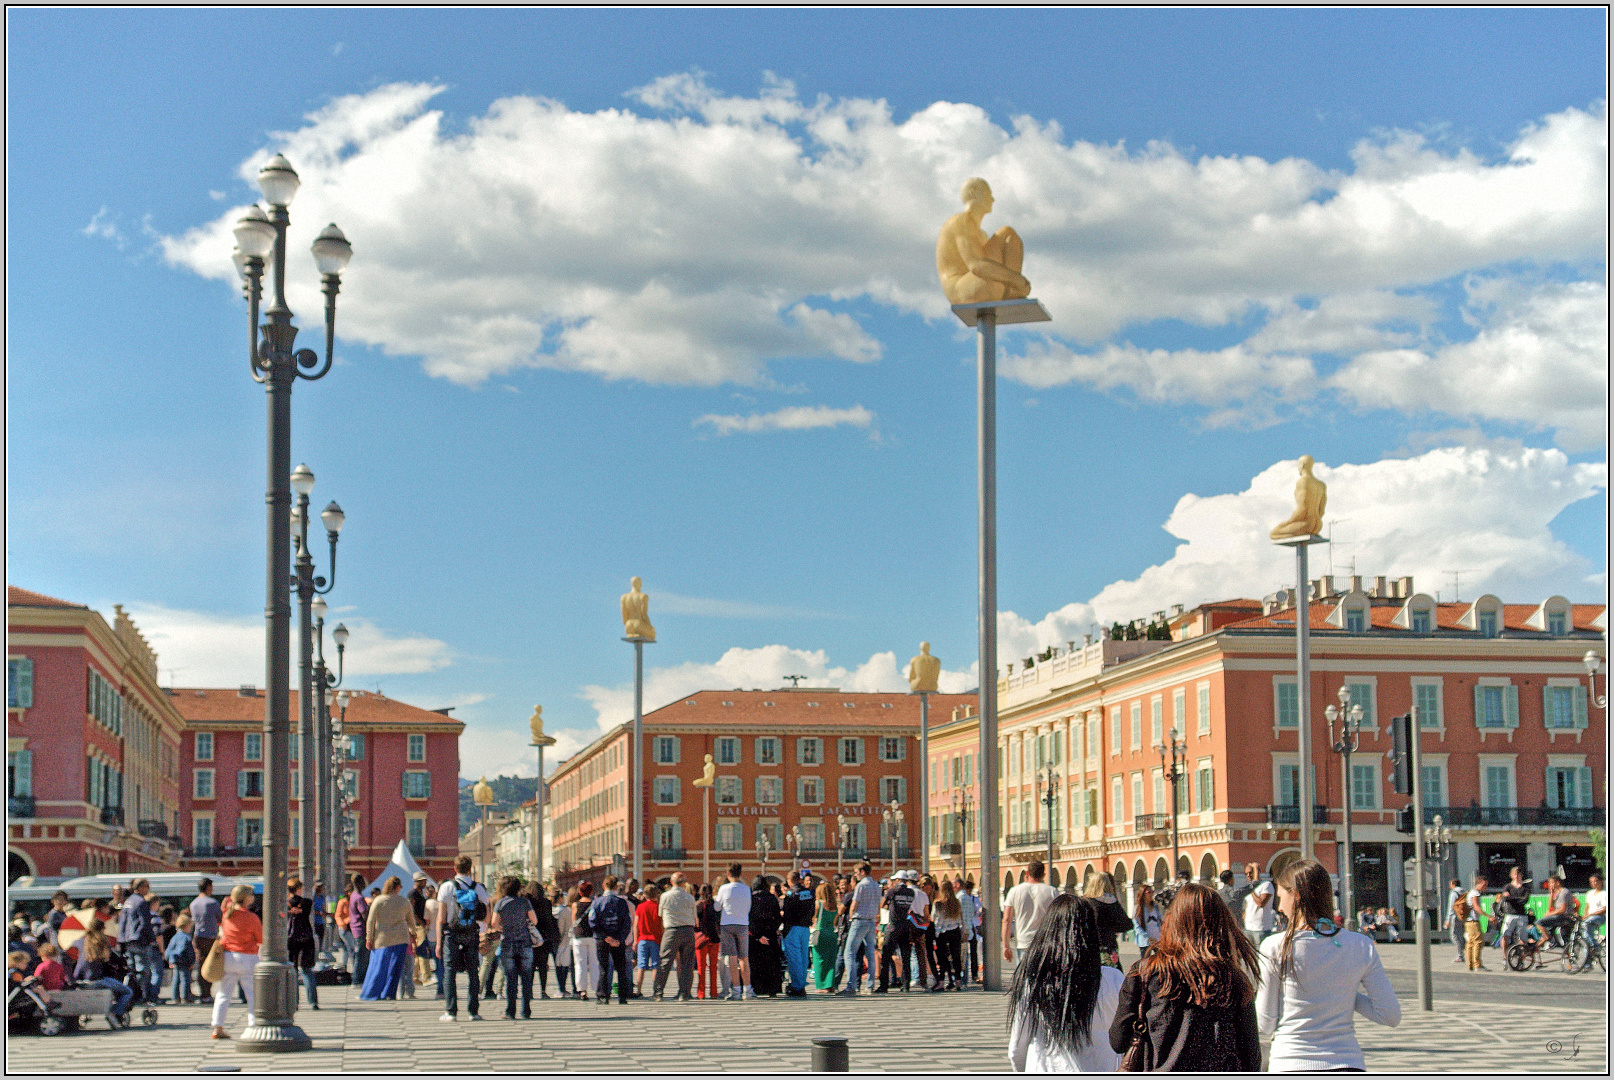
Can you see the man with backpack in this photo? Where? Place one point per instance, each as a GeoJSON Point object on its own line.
{"type": "Point", "coordinates": [611, 917]}
{"type": "Point", "coordinates": [462, 909]}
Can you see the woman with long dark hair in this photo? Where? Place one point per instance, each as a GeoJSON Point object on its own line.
{"type": "Point", "coordinates": [1314, 976]}
{"type": "Point", "coordinates": [708, 931]}
{"type": "Point", "coordinates": [1064, 996]}
{"type": "Point", "coordinates": [1195, 990]}
{"type": "Point", "coordinates": [1147, 916]}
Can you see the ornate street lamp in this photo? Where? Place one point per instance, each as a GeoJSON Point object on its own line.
{"type": "Point", "coordinates": [893, 823]}
{"type": "Point", "coordinates": [1047, 798]}
{"type": "Point", "coordinates": [843, 834]}
{"type": "Point", "coordinates": [764, 846]}
{"type": "Point", "coordinates": [275, 362]}
{"type": "Point", "coordinates": [326, 807]}
{"type": "Point", "coordinates": [1178, 747]}
{"type": "Point", "coordinates": [310, 588]}
{"type": "Point", "coordinates": [1594, 664]}
{"type": "Point", "coordinates": [1350, 723]}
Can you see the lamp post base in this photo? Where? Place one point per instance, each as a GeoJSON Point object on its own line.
{"type": "Point", "coordinates": [274, 985]}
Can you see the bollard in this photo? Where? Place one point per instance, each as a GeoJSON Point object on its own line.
{"type": "Point", "coordinates": [829, 1054]}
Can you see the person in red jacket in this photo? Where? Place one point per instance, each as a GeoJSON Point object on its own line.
{"type": "Point", "coordinates": [647, 931]}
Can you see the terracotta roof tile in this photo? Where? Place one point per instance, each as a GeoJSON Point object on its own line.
{"type": "Point", "coordinates": [16, 597]}
{"type": "Point", "coordinates": [202, 706]}
{"type": "Point", "coordinates": [1446, 617]}
{"type": "Point", "coordinates": [801, 709]}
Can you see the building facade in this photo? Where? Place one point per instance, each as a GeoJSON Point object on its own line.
{"type": "Point", "coordinates": [786, 762]}
{"type": "Point", "coordinates": [1513, 747]}
{"type": "Point", "coordinates": [92, 747]}
{"type": "Point", "coordinates": [400, 781]}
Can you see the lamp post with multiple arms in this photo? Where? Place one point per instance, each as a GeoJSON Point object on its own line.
{"type": "Point", "coordinates": [309, 588]}
{"type": "Point", "coordinates": [1047, 798]}
{"type": "Point", "coordinates": [893, 823]}
{"type": "Point", "coordinates": [961, 811]}
{"type": "Point", "coordinates": [325, 804]}
{"type": "Point", "coordinates": [843, 833]}
{"type": "Point", "coordinates": [1178, 748]}
{"type": "Point", "coordinates": [1350, 723]}
{"type": "Point", "coordinates": [764, 848]}
{"type": "Point", "coordinates": [340, 742]}
{"type": "Point", "coordinates": [274, 362]}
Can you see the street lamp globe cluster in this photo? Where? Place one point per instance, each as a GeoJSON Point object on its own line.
{"type": "Point", "coordinates": [1350, 725]}
{"type": "Point", "coordinates": [274, 362]}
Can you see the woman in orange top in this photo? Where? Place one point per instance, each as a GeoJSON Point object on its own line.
{"type": "Point", "coordinates": [241, 935]}
{"type": "Point", "coordinates": [344, 936]}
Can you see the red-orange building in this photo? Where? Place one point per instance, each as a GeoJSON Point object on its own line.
{"type": "Point", "coordinates": [92, 744]}
{"type": "Point", "coordinates": [794, 758]}
{"type": "Point", "coordinates": [401, 782]}
{"type": "Point", "coordinates": [1513, 750]}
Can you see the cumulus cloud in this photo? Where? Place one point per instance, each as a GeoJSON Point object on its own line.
{"type": "Point", "coordinates": [199, 648]}
{"type": "Point", "coordinates": [763, 668]}
{"type": "Point", "coordinates": [1540, 359]}
{"type": "Point", "coordinates": [794, 418]}
{"type": "Point", "coordinates": [694, 244]}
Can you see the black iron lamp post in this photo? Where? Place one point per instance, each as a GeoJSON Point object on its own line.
{"type": "Point", "coordinates": [325, 798]}
{"type": "Point", "coordinates": [843, 835]}
{"type": "Point", "coordinates": [341, 742]}
{"type": "Point", "coordinates": [1350, 737]}
{"type": "Point", "coordinates": [961, 812]}
{"type": "Point", "coordinates": [893, 822]}
{"type": "Point", "coordinates": [1177, 747]}
{"type": "Point", "coordinates": [275, 362]}
{"type": "Point", "coordinates": [309, 588]}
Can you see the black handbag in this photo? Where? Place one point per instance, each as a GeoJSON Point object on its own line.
{"type": "Point", "coordinates": [1137, 1055]}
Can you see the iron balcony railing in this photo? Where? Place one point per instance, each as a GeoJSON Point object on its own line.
{"type": "Point", "coordinates": [1482, 817]}
{"type": "Point", "coordinates": [1290, 815]}
{"type": "Point", "coordinates": [670, 854]}
{"type": "Point", "coordinates": [1027, 839]}
{"type": "Point", "coordinates": [950, 849]}
{"type": "Point", "coordinates": [245, 851]}
{"type": "Point", "coordinates": [153, 829]}
{"type": "Point", "coordinates": [111, 815]}
{"type": "Point", "coordinates": [1145, 824]}
{"type": "Point", "coordinates": [19, 806]}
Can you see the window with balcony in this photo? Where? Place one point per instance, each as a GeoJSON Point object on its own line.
{"type": "Point", "coordinates": [1433, 779]}
{"type": "Point", "coordinates": [667, 791]}
{"type": "Point", "coordinates": [893, 788]}
{"type": "Point", "coordinates": [249, 784]}
{"type": "Point", "coordinates": [728, 790]}
{"type": "Point", "coordinates": [204, 746]}
{"type": "Point", "coordinates": [1498, 784]}
{"type": "Point", "coordinates": [350, 783]}
{"type": "Point", "coordinates": [768, 751]}
{"type": "Point", "coordinates": [417, 784]}
{"type": "Point", "coordinates": [728, 751]}
{"type": "Point", "coordinates": [1137, 794]}
{"type": "Point", "coordinates": [417, 748]}
{"type": "Point", "coordinates": [770, 791]}
{"type": "Point", "coordinates": [812, 836]}
{"type": "Point", "coordinates": [415, 834]}
{"type": "Point", "coordinates": [1364, 786]}
{"type": "Point", "coordinates": [202, 833]}
{"type": "Point", "coordinates": [252, 746]}
{"type": "Point", "coordinates": [1568, 787]}
{"type": "Point", "coordinates": [809, 751]}
{"type": "Point", "coordinates": [248, 832]}
{"type": "Point", "coordinates": [20, 783]}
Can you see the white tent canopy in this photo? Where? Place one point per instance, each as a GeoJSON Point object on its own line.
{"type": "Point", "coordinates": [402, 865]}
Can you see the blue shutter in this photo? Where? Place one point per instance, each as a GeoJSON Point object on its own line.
{"type": "Point", "coordinates": [1580, 708]}
{"type": "Point", "coordinates": [241, 784]}
{"type": "Point", "coordinates": [1479, 706]}
{"type": "Point", "coordinates": [22, 772]}
{"type": "Point", "coordinates": [1510, 706]}
{"type": "Point", "coordinates": [1583, 789]}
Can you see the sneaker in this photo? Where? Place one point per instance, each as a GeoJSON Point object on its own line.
{"type": "Point", "coordinates": [848, 992]}
{"type": "Point", "coordinates": [476, 1016]}
{"type": "Point", "coordinates": [447, 1017]}
{"type": "Point", "coordinates": [526, 1015]}
{"type": "Point", "coordinates": [750, 993]}
{"type": "Point", "coordinates": [657, 997]}
{"type": "Point", "coordinates": [880, 990]}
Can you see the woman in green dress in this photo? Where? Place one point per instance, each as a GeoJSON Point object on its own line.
{"type": "Point", "coordinates": [825, 945]}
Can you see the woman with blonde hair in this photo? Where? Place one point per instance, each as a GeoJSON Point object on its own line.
{"type": "Point", "coordinates": [387, 932]}
{"type": "Point", "coordinates": [1314, 977]}
{"type": "Point", "coordinates": [94, 964]}
{"type": "Point", "coordinates": [1112, 918]}
{"type": "Point", "coordinates": [947, 919]}
{"type": "Point", "coordinates": [825, 942]}
{"type": "Point", "coordinates": [240, 936]}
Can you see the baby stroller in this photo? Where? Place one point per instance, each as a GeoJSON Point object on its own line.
{"type": "Point", "coordinates": [56, 1011]}
{"type": "Point", "coordinates": [121, 970]}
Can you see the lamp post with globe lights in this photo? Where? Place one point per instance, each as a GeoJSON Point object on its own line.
{"type": "Point", "coordinates": [326, 777]}
{"type": "Point", "coordinates": [1350, 722]}
{"type": "Point", "coordinates": [274, 362]}
{"type": "Point", "coordinates": [892, 816]}
{"type": "Point", "coordinates": [310, 587]}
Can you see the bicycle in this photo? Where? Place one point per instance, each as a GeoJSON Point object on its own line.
{"type": "Point", "coordinates": [1583, 949]}
{"type": "Point", "coordinates": [1556, 946]}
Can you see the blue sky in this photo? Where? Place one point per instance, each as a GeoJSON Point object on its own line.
{"type": "Point", "coordinates": [652, 293]}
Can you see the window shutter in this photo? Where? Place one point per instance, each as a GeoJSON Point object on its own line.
{"type": "Point", "coordinates": [1510, 706]}
{"type": "Point", "coordinates": [240, 832]}
{"type": "Point", "coordinates": [1580, 708]}
{"type": "Point", "coordinates": [241, 784]}
{"type": "Point", "coordinates": [902, 749]}
{"type": "Point", "coordinates": [902, 789]}
{"type": "Point", "coordinates": [25, 683]}
{"type": "Point", "coordinates": [1583, 787]}
{"type": "Point", "coordinates": [677, 835]}
{"type": "Point", "coordinates": [677, 749]}
{"type": "Point", "coordinates": [1479, 706]}
{"type": "Point", "coordinates": [1547, 717]}
{"type": "Point", "coordinates": [23, 765]}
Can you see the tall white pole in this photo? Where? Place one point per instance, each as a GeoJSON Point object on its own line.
{"type": "Point", "coordinates": [986, 387]}
{"type": "Point", "coordinates": [637, 775]}
{"type": "Point", "coordinates": [924, 780]}
{"type": "Point", "coordinates": [1303, 678]}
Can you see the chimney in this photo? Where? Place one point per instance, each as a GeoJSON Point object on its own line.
{"type": "Point", "coordinates": [1379, 587]}
{"type": "Point", "coordinates": [1176, 609]}
{"type": "Point", "coordinates": [1404, 588]}
{"type": "Point", "coordinates": [1356, 583]}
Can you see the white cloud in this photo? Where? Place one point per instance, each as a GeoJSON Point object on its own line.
{"type": "Point", "coordinates": [693, 246]}
{"type": "Point", "coordinates": [793, 418]}
{"type": "Point", "coordinates": [198, 648]}
{"type": "Point", "coordinates": [762, 668]}
{"type": "Point", "coordinates": [1540, 358]}
{"type": "Point", "coordinates": [103, 225]}
{"type": "Point", "coordinates": [1483, 510]}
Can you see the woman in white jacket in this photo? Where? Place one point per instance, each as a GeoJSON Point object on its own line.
{"type": "Point", "coordinates": [1315, 976]}
{"type": "Point", "coordinates": [1063, 998]}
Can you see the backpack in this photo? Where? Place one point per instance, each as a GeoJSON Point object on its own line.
{"type": "Point", "coordinates": [467, 908]}
{"type": "Point", "coordinates": [1461, 908]}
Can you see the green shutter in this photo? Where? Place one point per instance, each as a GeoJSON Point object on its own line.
{"type": "Point", "coordinates": [22, 772]}
{"type": "Point", "coordinates": [1583, 788]}
{"type": "Point", "coordinates": [1510, 706]}
{"type": "Point", "coordinates": [25, 683]}
{"type": "Point", "coordinates": [241, 784]}
{"type": "Point", "coordinates": [1547, 717]}
{"type": "Point", "coordinates": [1580, 707]}
{"type": "Point", "coordinates": [1479, 706]}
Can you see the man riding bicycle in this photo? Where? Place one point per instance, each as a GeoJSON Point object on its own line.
{"type": "Point", "coordinates": [1596, 910]}
{"type": "Point", "coordinates": [1559, 917]}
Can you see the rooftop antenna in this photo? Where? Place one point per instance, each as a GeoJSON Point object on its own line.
{"type": "Point", "coordinates": [795, 680]}
{"type": "Point", "coordinates": [1456, 583]}
{"type": "Point", "coordinates": [1331, 523]}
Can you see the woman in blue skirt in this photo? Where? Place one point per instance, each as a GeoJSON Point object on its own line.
{"type": "Point", "coordinates": [386, 932]}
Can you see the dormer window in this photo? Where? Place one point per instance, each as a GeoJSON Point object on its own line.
{"type": "Point", "coordinates": [1487, 623]}
{"type": "Point", "coordinates": [1420, 620]}
{"type": "Point", "coordinates": [1484, 617]}
{"type": "Point", "coordinates": [1355, 620]}
{"type": "Point", "coordinates": [1557, 624]}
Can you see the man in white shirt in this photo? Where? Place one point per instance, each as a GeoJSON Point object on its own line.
{"type": "Point", "coordinates": [1260, 906]}
{"type": "Point", "coordinates": [1453, 891]}
{"type": "Point", "coordinates": [1473, 931]}
{"type": "Point", "coordinates": [735, 929]}
{"type": "Point", "coordinates": [1595, 908]}
{"type": "Point", "coordinates": [1023, 911]}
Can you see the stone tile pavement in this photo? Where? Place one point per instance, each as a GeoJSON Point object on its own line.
{"type": "Point", "coordinates": [898, 1033]}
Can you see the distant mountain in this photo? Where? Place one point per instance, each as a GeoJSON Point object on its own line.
{"type": "Point", "coordinates": [509, 792]}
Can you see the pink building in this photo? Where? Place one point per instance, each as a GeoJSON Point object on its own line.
{"type": "Point", "coordinates": [401, 781]}
{"type": "Point", "coordinates": [92, 744]}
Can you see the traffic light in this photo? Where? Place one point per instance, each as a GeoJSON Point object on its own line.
{"type": "Point", "coordinates": [1404, 822]}
{"type": "Point", "coordinates": [1401, 753]}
